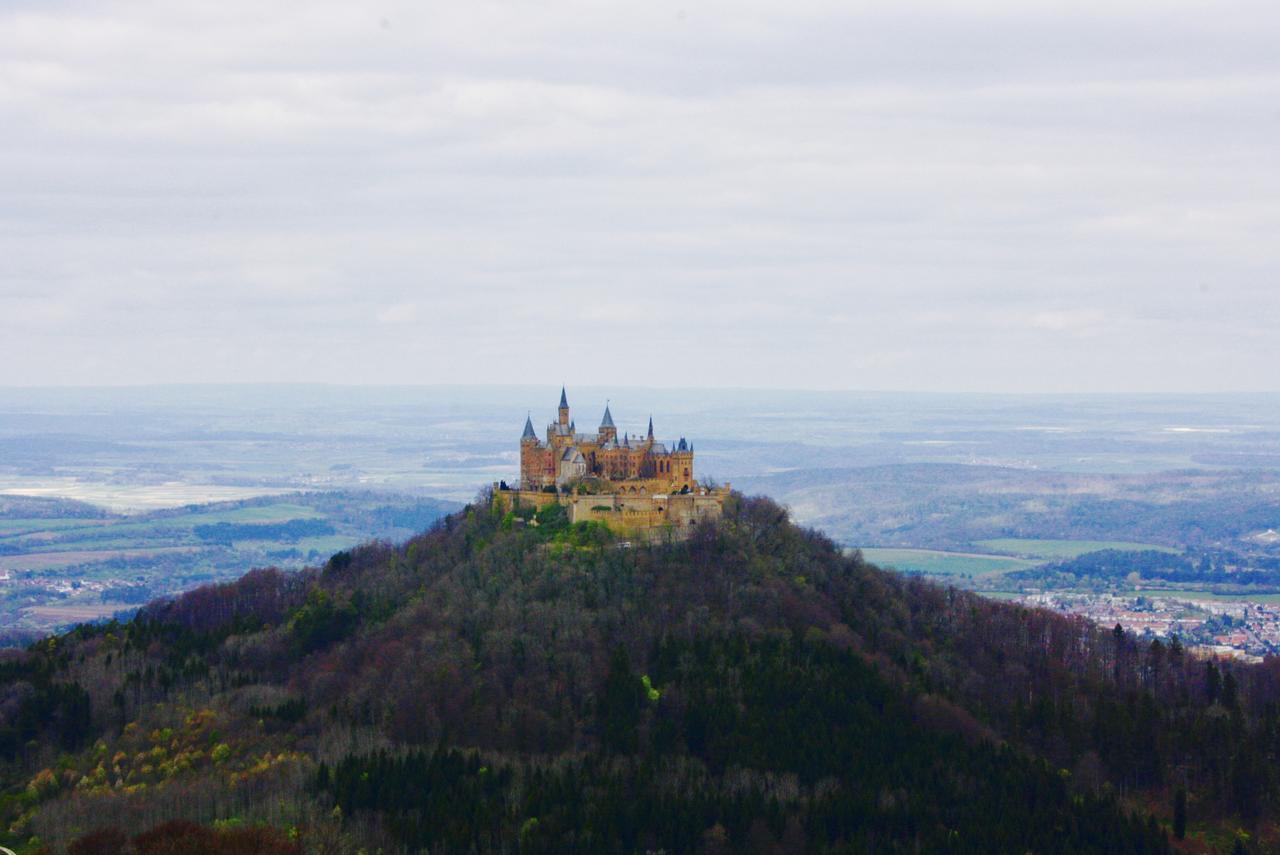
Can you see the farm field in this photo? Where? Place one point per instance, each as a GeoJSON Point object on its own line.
{"type": "Point", "coordinates": [129, 498]}
{"type": "Point", "coordinates": [1212, 596]}
{"type": "Point", "coordinates": [932, 562]}
{"type": "Point", "coordinates": [74, 614]}
{"type": "Point", "coordinates": [13, 528]}
{"type": "Point", "coordinates": [129, 533]}
{"type": "Point", "coordinates": [1049, 550]}
{"type": "Point", "coordinates": [32, 561]}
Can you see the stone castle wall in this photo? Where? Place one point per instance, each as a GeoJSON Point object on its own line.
{"type": "Point", "coordinates": [644, 515]}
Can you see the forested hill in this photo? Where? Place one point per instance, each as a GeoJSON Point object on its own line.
{"type": "Point", "coordinates": [496, 687]}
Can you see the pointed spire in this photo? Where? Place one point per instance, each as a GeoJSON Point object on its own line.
{"type": "Point", "coordinates": [607, 421]}
{"type": "Point", "coordinates": [564, 401]}
{"type": "Point", "coordinates": [650, 427]}
{"type": "Point", "coordinates": [528, 428]}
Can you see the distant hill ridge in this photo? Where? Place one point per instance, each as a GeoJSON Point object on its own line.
{"type": "Point", "coordinates": [489, 687]}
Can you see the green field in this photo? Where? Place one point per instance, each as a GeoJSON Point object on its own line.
{"type": "Point", "coordinates": [124, 532]}
{"type": "Point", "coordinates": [934, 562]}
{"type": "Point", "coordinates": [1048, 550]}
{"type": "Point", "coordinates": [1268, 599]}
{"type": "Point", "coordinates": [16, 527]}
{"type": "Point", "coordinates": [276, 512]}
{"type": "Point", "coordinates": [1001, 595]}
{"type": "Point", "coordinates": [326, 545]}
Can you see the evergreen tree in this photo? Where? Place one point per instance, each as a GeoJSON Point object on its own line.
{"type": "Point", "coordinates": [1180, 813]}
{"type": "Point", "coordinates": [1212, 682]}
{"type": "Point", "coordinates": [1229, 691]}
{"type": "Point", "coordinates": [620, 705]}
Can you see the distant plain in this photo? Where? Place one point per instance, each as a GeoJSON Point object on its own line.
{"type": "Point", "coordinates": [965, 488]}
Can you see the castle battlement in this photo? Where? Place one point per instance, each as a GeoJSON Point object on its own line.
{"type": "Point", "coordinates": [631, 483]}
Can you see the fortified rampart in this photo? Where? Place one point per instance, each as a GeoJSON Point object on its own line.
{"type": "Point", "coordinates": [627, 515]}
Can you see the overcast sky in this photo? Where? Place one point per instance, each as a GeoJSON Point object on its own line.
{"type": "Point", "coordinates": [984, 196]}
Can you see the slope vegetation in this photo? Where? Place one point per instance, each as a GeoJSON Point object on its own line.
{"type": "Point", "coordinates": [493, 687]}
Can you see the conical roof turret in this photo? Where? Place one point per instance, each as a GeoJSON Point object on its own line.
{"type": "Point", "coordinates": [607, 420]}
{"type": "Point", "coordinates": [528, 428]}
{"type": "Point", "coordinates": [650, 427]}
{"type": "Point", "coordinates": [564, 400]}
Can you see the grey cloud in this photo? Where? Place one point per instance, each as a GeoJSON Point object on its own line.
{"type": "Point", "coordinates": [887, 195]}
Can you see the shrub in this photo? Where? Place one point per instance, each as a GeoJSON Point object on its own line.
{"type": "Point", "coordinates": [103, 841]}
{"type": "Point", "coordinates": [320, 622]}
{"type": "Point", "coordinates": [552, 519]}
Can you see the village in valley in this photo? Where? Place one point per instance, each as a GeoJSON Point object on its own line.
{"type": "Point", "coordinates": [1240, 629]}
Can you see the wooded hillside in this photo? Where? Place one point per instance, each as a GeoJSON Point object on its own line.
{"type": "Point", "coordinates": [493, 687]}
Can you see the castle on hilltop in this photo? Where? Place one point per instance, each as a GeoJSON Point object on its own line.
{"type": "Point", "coordinates": [634, 484]}
{"type": "Point", "coordinates": [566, 457]}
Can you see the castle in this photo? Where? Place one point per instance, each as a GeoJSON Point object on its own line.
{"type": "Point", "coordinates": [636, 485]}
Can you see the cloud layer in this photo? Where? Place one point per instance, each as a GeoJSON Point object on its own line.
{"type": "Point", "coordinates": [980, 196]}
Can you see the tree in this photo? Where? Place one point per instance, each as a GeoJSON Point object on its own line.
{"type": "Point", "coordinates": [620, 704]}
{"type": "Point", "coordinates": [320, 622]}
{"type": "Point", "coordinates": [1180, 813]}
{"type": "Point", "coordinates": [1229, 692]}
{"type": "Point", "coordinates": [1212, 682]}
{"type": "Point", "coordinates": [1117, 635]}
{"type": "Point", "coordinates": [104, 841]}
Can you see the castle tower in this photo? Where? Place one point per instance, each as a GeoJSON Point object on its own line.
{"type": "Point", "coordinates": [608, 431]}
{"type": "Point", "coordinates": [682, 466]}
{"type": "Point", "coordinates": [564, 409]}
{"type": "Point", "coordinates": [531, 463]}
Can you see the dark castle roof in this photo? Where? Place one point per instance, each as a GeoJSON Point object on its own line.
{"type": "Point", "coordinates": [647, 442]}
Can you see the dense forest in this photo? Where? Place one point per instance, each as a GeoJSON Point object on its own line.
{"type": "Point", "coordinates": [491, 686]}
{"type": "Point", "coordinates": [1218, 568]}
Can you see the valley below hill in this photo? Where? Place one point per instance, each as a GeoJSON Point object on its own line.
{"type": "Point", "coordinates": [64, 562]}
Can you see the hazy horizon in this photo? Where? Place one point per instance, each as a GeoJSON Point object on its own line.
{"type": "Point", "coordinates": [156, 446]}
